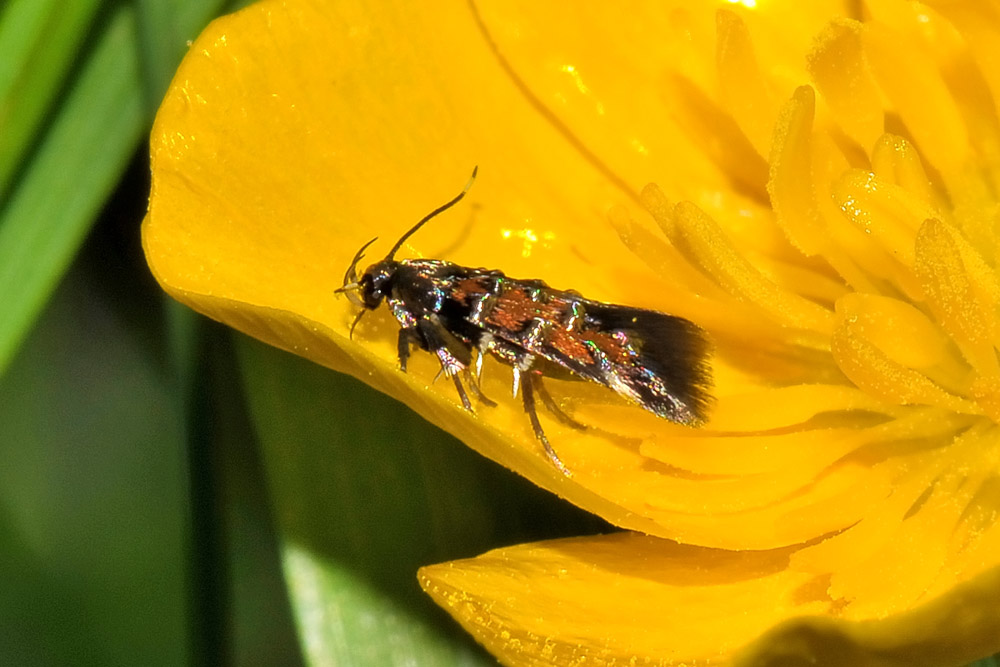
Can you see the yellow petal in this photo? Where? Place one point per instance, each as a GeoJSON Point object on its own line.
{"type": "Point", "coordinates": [280, 149]}
{"type": "Point", "coordinates": [857, 465]}
{"type": "Point", "coordinates": [630, 599]}
{"type": "Point", "coordinates": [615, 598]}
{"type": "Point", "coordinates": [273, 164]}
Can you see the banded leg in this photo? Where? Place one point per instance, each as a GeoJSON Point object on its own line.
{"type": "Point", "coordinates": [453, 355]}
{"type": "Point", "coordinates": [466, 403]}
{"type": "Point", "coordinates": [528, 394]}
{"type": "Point", "coordinates": [554, 408]}
{"type": "Point", "coordinates": [475, 379]}
{"type": "Point", "coordinates": [477, 389]}
{"type": "Point", "coordinates": [406, 337]}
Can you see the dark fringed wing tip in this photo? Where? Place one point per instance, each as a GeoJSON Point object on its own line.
{"type": "Point", "coordinates": [672, 377]}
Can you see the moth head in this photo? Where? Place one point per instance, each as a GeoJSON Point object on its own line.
{"type": "Point", "coordinates": [362, 291]}
{"type": "Point", "coordinates": [376, 283]}
{"type": "Point", "coordinates": [371, 289]}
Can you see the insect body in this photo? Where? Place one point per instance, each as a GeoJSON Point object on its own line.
{"type": "Point", "coordinates": [655, 360]}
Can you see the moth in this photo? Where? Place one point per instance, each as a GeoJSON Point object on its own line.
{"type": "Point", "coordinates": [657, 361]}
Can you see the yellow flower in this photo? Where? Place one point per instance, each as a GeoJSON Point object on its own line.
{"type": "Point", "coordinates": [824, 201]}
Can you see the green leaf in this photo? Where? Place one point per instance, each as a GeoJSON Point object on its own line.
{"type": "Point", "coordinates": [364, 493]}
{"type": "Point", "coordinates": [239, 608]}
{"type": "Point", "coordinates": [38, 42]}
{"type": "Point", "coordinates": [359, 502]}
{"type": "Point", "coordinates": [165, 29]}
{"type": "Point", "coordinates": [93, 508]}
{"type": "Point", "coordinates": [94, 127]}
{"type": "Point", "coordinates": [74, 170]}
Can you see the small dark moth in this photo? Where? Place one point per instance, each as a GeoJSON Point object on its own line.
{"type": "Point", "coordinates": [655, 360]}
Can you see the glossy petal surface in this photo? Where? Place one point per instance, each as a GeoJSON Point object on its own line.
{"type": "Point", "coordinates": [815, 188]}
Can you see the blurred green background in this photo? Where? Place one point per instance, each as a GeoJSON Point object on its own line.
{"type": "Point", "coordinates": [172, 492]}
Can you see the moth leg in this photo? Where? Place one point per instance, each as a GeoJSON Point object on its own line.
{"type": "Point", "coordinates": [477, 389]}
{"type": "Point", "coordinates": [485, 345]}
{"type": "Point", "coordinates": [453, 355]}
{"type": "Point", "coordinates": [407, 336]}
{"type": "Point", "coordinates": [466, 403]}
{"type": "Point", "coordinates": [476, 379]}
{"type": "Point", "coordinates": [527, 393]}
{"type": "Point", "coordinates": [552, 407]}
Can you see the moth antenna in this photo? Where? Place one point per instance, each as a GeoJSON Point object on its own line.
{"type": "Point", "coordinates": [439, 209]}
{"type": "Point", "coordinates": [351, 276]}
